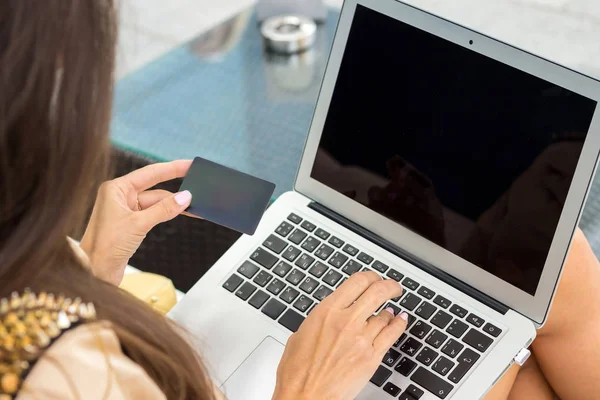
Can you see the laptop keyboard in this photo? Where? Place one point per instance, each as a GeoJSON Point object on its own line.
{"type": "Point", "coordinates": [301, 264]}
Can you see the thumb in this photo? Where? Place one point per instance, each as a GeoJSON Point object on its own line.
{"type": "Point", "coordinates": [165, 210]}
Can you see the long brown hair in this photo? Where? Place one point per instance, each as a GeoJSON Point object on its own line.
{"type": "Point", "coordinates": [56, 78]}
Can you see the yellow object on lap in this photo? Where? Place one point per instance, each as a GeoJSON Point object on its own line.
{"type": "Point", "coordinates": [156, 290]}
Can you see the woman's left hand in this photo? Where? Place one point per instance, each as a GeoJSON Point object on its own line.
{"type": "Point", "coordinates": [124, 213]}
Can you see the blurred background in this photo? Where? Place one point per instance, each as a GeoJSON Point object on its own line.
{"type": "Point", "coordinates": [566, 31]}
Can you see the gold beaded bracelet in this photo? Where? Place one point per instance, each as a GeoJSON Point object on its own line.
{"type": "Point", "coordinates": [28, 325]}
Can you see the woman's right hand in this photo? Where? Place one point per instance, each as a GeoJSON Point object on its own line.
{"type": "Point", "coordinates": [340, 345]}
{"type": "Point", "coordinates": [124, 213]}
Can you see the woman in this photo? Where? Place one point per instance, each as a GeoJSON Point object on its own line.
{"type": "Point", "coordinates": [56, 65]}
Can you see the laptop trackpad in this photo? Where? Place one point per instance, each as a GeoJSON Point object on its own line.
{"type": "Point", "coordinates": [255, 378]}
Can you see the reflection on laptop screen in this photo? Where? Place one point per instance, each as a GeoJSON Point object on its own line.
{"type": "Point", "coordinates": [470, 153]}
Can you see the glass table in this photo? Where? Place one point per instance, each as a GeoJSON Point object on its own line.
{"type": "Point", "coordinates": [222, 97]}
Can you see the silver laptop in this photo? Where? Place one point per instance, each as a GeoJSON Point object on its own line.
{"type": "Point", "coordinates": [439, 157]}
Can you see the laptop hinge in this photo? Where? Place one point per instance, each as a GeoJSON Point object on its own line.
{"type": "Point", "coordinates": [430, 269]}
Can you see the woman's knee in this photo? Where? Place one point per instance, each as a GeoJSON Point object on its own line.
{"type": "Point", "coordinates": [531, 383]}
{"type": "Point", "coordinates": [578, 289]}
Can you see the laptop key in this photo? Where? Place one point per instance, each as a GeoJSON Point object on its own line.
{"type": "Point", "coordinates": [414, 391]}
{"type": "Point", "coordinates": [308, 226]}
{"type": "Point", "coordinates": [233, 282]}
{"type": "Point", "coordinates": [273, 308]}
{"type": "Point", "coordinates": [276, 286]}
{"type": "Point", "coordinates": [338, 259]}
{"type": "Point", "coordinates": [442, 366]}
{"type": "Point", "coordinates": [295, 277]}
{"type": "Point", "coordinates": [350, 250]}
{"type": "Point", "coordinates": [391, 357]}
{"type": "Point", "coordinates": [441, 319]}
{"type": "Point", "coordinates": [248, 269]}
{"type": "Point", "coordinates": [411, 346]}
{"type": "Point", "coordinates": [294, 218]}
{"type": "Point", "coordinates": [405, 396]}
{"type": "Point", "coordinates": [291, 253]}
{"type": "Point", "coordinates": [318, 269]}
{"type": "Point", "coordinates": [431, 383]}
{"type": "Point", "coordinates": [309, 285]}
{"type": "Point", "coordinates": [297, 236]}
{"type": "Point", "coordinates": [458, 311]}
{"type": "Point", "coordinates": [400, 339]}
{"type": "Point", "coordinates": [393, 274]}
{"type": "Point", "coordinates": [310, 244]}
{"type": "Point", "coordinates": [426, 292]}
{"type": "Point", "coordinates": [436, 339]}
{"type": "Point", "coordinates": [391, 389]}
{"type": "Point", "coordinates": [322, 234]}
{"type": "Point", "coordinates": [405, 366]}
{"type": "Point", "coordinates": [457, 328]}
{"type": "Point", "coordinates": [477, 340]}
{"type": "Point", "coordinates": [380, 376]}
{"type": "Point", "coordinates": [410, 301]}
{"type": "Point", "coordinates": [303, 303]}
{"type": "Point", "coordinates": [264, 258]}
{"type": "Point", "coordinates": [324, 252]}
{"type": "Point", "coordinates": [332, 277]}
{"type": "Point", "coordinates": [427, 356]}
{"type": "Point", "coordinates": [305, 261]}
{"type": "Point", "coordinates": [282, 268]}
{"type": "Point", "coordinates": [452, 348]}
{"type": "Point", "coordinates": [259, 299]}
{"type": "Point", "coordinates": [420, 329]}
{"type": "Point", "coordinates": [364, 257]}
{"type": "Point", "coordinates": [284, 229]}
{"type": "Point", "coordinates": [322, 292]}
{"type": "Point", "coordinates": [337, 242]}
{"type": "Point", "coordinates": [262, 278]}
{"type": "Point", "coordinates": [442, 301]}
{"type": "Point", "coordinates": [275, 244]}
{"type": "Point", "coordinates": [465, 361]}
{"type": "Point", "coordinates": [409, 283]}
{"type": "Point", "coordinates": [425, 310]}
{"type": "Point", "coordinates": [351, 267]}
{"type": "Point", "coordinates": [381, 267]}
{"type": "Point", "coordinates": [289, 294]}
{"type": "Point", "coordinates": [245, 291]}
{"type": "Point", "coordinates": [492, 330]}
{"type": "Point", "coordinates": [291, 320]}
{"type": "Point", "coordinates": [411, 320]}
{"type": "Point", "coordinates": [475, 320]}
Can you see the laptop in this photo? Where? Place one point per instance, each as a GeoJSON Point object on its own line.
{"type": "Point", "coordinates": [441, 158]}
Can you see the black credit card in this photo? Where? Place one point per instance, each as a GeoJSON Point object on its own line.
{"type": "Point", "coordinates": [225, 196]}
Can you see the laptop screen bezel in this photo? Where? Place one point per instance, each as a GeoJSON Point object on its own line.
{"type": "Point", "coordinates": [534, 307]}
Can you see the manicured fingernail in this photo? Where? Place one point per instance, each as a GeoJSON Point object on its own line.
{"type": "Point", "coordinates": [390, 310]}
{"type": "Point", "coordinates": [404, 316]}
{"type": "Point", "coordinates": [182, 198]}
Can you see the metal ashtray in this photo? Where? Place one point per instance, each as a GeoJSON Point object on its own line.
{"type": "Point", "coordinates": [289, 34]}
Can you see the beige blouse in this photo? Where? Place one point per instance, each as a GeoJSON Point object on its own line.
{"type": "Point", "coordinates": [87, 363]}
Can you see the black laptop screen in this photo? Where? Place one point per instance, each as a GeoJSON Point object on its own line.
{"type": "Point", "coordinates": [471, 154]}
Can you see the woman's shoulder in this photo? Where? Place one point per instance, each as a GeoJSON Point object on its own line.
{"type": "Point", "coordinates": [88, 362]}
{"type": "Point", "coordinates": [54, 348]}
